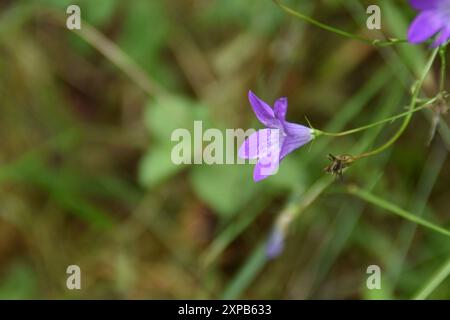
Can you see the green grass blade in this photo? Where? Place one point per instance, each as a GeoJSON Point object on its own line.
{"type": "Point", "coordinates": [434, 282]}
{"type": "Point", "coordinates": [247, 273]}
{"type": "Point", "coordinates": [397, 210]}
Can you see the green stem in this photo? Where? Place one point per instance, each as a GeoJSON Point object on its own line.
{"type": "Point", "coordinates": [442, 54]}
{"type": "Point", "coordinates": [377, 123]}
{"type": "Point", "coordinates": [395, 209]}
{"type": "Point", "coordinates": [434, 282]}
{"type": "Point", "coordinates": [376, 42]}
{"type": "Point", "coordinates": [416, 90]}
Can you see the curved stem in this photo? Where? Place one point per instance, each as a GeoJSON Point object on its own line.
{"type": "Point", "coordinates": [376, 42]}
{"type": "Point", "coordinates": [377, 123]}
{"type": "Point", "coordinates": [416, 91]}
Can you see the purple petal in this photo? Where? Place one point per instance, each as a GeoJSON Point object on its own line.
{"type": "Point", "coordinates": [260, 144]}
{"type": "Point", "coordinates": [297, 136]}
{"type": "Point", "coordinates": [443, 37]}
{"type": "Point", "coordinates": [275, 244]}
{"type": "Point", "coordinates": [426, 25]}
{"type": "Point", "coordinates": [266, 167]}
{"type": "Point", "coordinates": [263, 111]}
{"type": "Point", "coordinates": [425, 4]}
{"type": "Point", "coordinates": [280, 108]}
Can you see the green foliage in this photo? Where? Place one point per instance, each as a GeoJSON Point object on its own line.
{"type": "Point", "coordinates": [162, 118]}
{"type": "Point", "coordinates": [167, 114]}
{"type": "Point", "coordinates": [20, 283]}
{"type": "Point", "coordinates": [156, 166]}
{"type": "Point", "coordinates": [226, 188]}
{"type": "Point", "coordinates": [143, 36]}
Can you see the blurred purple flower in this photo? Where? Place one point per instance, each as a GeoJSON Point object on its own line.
{"type": "Point", "coordinates": [275, 244]}
{"type": "Point", "coordinates": [276, 141]}
{"type": "Point", "coordinates": [434, 18]}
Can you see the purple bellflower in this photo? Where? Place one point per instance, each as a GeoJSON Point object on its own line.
{"type": "Point", "coordinates": [433, 19]}
{"type": "Point", "coordinates": [276, 141]}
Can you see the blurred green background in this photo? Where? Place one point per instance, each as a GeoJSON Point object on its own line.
{"type": "Point", "coordinates": [85, 171]}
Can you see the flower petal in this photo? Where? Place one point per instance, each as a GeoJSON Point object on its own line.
{"type": "Point", "coordinates": [426, 25]}
{"type": "Point", "coordinates": [260, 144]}
{"type": "Point", "coordinates": [297, 136]}
{"type": "Point", "coordinates": [266, 167]}
{"type": "Point", "coordinates": [280, 108]}
{"type": "Point", "coordinates": [425, 4]}
{"type": "Point", "coordinates": [263, 111]}
{"type": "Point", "coordinates": [443, 37]}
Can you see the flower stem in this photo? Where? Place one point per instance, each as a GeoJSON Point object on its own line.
{"type": "Point", "coordinates": [377, 123]}
{"type": "Point", "coordinates": [442, 54]}
{"type": "Point", "coordinates": [416, 90]}
{"type": "Point", "coordinates": [376, 42]}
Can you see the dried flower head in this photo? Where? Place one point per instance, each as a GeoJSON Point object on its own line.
{"type": "Point", "coordinates": [338, 164]}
